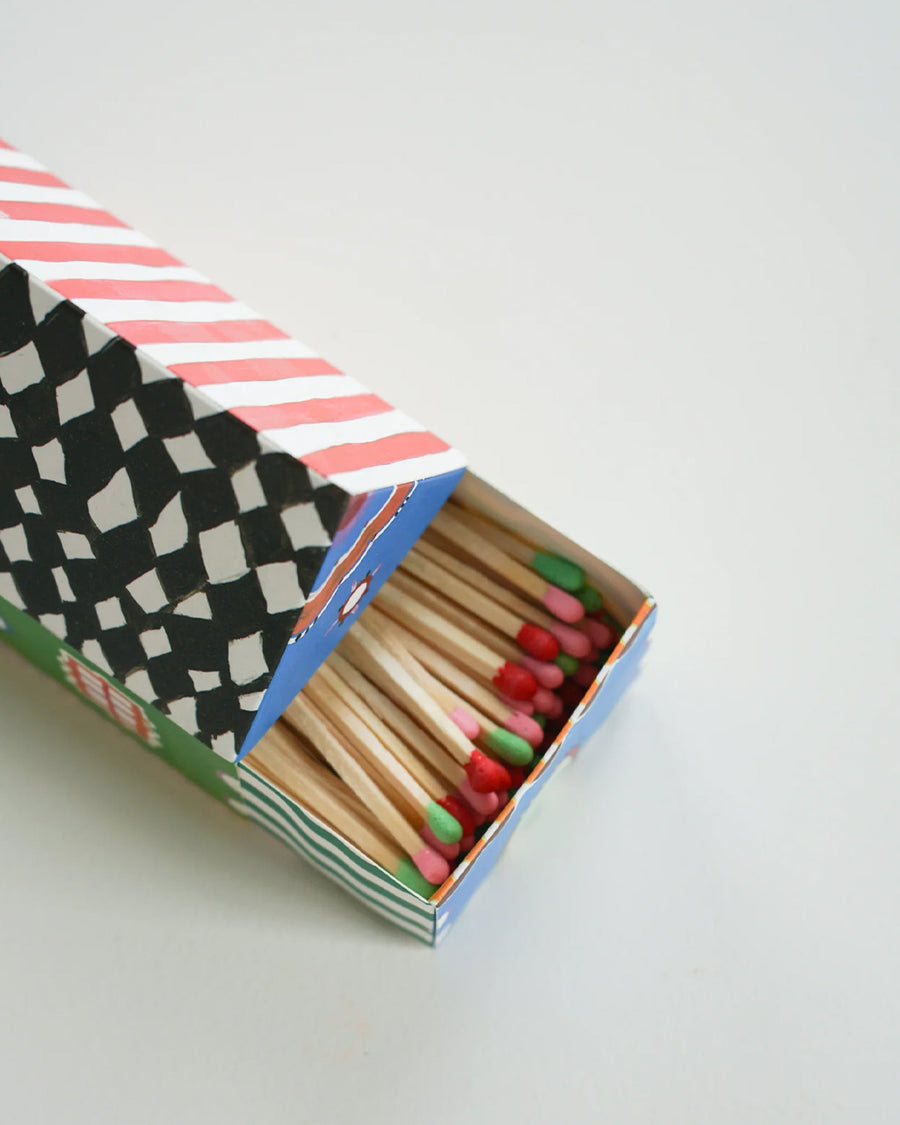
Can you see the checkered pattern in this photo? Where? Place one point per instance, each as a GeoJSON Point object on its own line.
{"type": "Point", "coordinates": [151, 530]}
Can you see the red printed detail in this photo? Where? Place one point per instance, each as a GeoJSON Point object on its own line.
{"type": "Point", "coordinates": [179, 332]}
{"type": "Point", "coordinates": [144, 290]}
{"type": "Point", "coordinates": [30, 176]}
{"type": "Point", "coordinates": [316, 410]}
{"type": "Point", "coordinates": [57, 213]}
{"type": "Point", "coordinates": [99, 691]}
{"type": "Point", "coordinates": [363, 455]}
{"type": "Point", "coordinates": [247, 370]}
{"type": "Point", "coordinates": [87, 252]}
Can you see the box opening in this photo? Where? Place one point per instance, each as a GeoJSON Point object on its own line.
{"type": "Point", "coordinates": [407, 743]}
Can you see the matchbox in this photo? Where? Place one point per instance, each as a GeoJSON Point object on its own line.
{"type": "Point", "coordinates": [195, 509]}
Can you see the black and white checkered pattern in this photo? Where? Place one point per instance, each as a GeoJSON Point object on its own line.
{"type": "Point", "coordinates": [153, 532]}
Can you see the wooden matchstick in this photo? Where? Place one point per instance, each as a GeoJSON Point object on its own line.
{"type": "Point", "coordinates": [378, 758]}
{"type": "Point", "coordinates": [303, 716]}
{"type": "Point", "coordinates": [560, 603]}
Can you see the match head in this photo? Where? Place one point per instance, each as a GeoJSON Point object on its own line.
{"type": "Point", "coordinates": [461, 812]}
{"type": "Point", "coordinates": [432, 866]}
{"type": "Point", "coordinates": [563, 605]}
{"type": "Point", "coordinates": [602, 635]}
{"type": "Point", "coordinates": [525, 727]}
{"type": "Point", "coordinates": [517, 776]}
{"type": "Point", "coordinates": [466, 723]}
{"type": "Point", "coordinates": [571, 640]}
{"type": "Point", "coordinates": [541, 720]}
{"type": "Point", "coordinates": [466, 844]}
{"type": "Point", "coordinates": [585, 675]}
{"type": "Point", "coordinates": [485, 775]}
{"type": "Point", "coordinates": [508, 746]}
{"type": "Point", "coordinates": [559, 571]}
{"type": "Point", "coordinates": [483, 805]}
{"type": "Point", "coordinates": [448, 851]}
{"type": "Point", "coordinates": [515, 680]}
{"type": "Point", "coordinates": [572, 694]}
{"type": "Point", "coordinates": [547, 703]}
{"type": "Point", "coordinates": [548, 675]}
{"type": "Point", "coordinates": [523, 705]}
{"type": "Point", "coordinates": [590, 597]}
{"type": "Point", "coordinates": [408, 874]}
{"type": "Point", "coordinates": [568, 663]}
{"type": "Point", "coordinates": [537, 642]}
{"type": "Point", "coordinates": [443, 824]}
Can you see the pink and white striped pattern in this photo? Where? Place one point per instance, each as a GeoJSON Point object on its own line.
{"type": "Point", "coordinates": [177, 317]}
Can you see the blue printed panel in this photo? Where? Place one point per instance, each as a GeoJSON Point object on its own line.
{"type": "Point", "coordinates": [378, 531]}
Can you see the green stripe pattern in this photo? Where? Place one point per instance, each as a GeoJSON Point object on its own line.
{"type": "Point", "coordinates": [262, 802]}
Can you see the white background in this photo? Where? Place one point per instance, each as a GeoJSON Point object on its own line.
{"type": "Point", "coordinates": [641, 263]}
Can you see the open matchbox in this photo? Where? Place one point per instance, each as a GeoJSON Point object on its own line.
{"type": "Point", "coordinates": [195, 508]}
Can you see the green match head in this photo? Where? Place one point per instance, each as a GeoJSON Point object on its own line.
{"type": "Point", "coordinates": [590, 597]}
{"type": "Point", "coordinates": [444, 825]}
{"type": "Point", "coordinates": [409, 875]}
{"type": "Point", "coordinates": [558, 571]}
{"type": "Point", "coordinates": [508, 746]}
{"type": "Point", "coordinates": [540, 719]}
{"type": "Point", "coordinates": [568, 663]}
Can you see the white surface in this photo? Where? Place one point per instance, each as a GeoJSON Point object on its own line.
{"type": "Point", "coordinates": [642, 263]}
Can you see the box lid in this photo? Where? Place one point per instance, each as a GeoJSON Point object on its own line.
{"type": "Point", "coordinates": [184, 489]}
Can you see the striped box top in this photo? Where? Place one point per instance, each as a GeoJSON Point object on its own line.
{"type": "Point", "coordinates": [292, 397]}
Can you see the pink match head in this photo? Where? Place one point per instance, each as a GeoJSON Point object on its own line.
{"type": "Point", "coordinates": [563, 605]}
{"type": "Point", "coordinates": [571, 640]}
{"type": "Point", "coordinates": [466, 723]}
{"type": "Point", "coordinates": [556, 707]}
{"type": "Point", "coordinates": [448, 851]}
{"type": "Point", "coordinates": [547, 675]}
{"type": "Point", "coordinates": [545, 702]}
{"type": "Point", "coordinates": [483, 805]}
{"type": "Point", "coordinates": [525, 727]}
{"type": "Point", "coordinates": [466, 844]}
{"type": "Point", "coordinates": [594, 655]}
{"type": "Point", "coordinates": [599, 632]}
{"type": "Point", "coordinates": [526, 706]}
{"type": "Point", "coordinates": [431, 865]}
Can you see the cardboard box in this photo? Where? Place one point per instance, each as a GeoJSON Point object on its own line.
{"type": "Point", "coordinates": [194, 507]}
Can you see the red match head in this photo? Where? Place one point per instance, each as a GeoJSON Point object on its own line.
{"type": "Point", "coordinates": [461, 812]}
{"type": "Point", "coordinates": [485, 775]}
{"type": "Point", "coordinates": [515, 681]}
{"type": "Point", "coordinates": [538, 642]}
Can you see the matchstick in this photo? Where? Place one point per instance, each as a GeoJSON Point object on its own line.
{"type": "Point", "coordinates": [302, 715]}
{"type": "Point", "coordinates": [512, 679]}
{"type": "Point", "coordinates": [548, 674]}
{"type": "Point", "coordinates": [279, 757]}
{"type": "Point", "coordinates": [414, 737]}
{"type": "Point", "coordinates": [466, 692]}
{"type": "Point", "coordinates": [555, 569]}
{"type": "Point", "coordinates": [368, 743]}
{"type": "Point", "coordinates": [376, 662]}
{"type": "Point", "coordinates": [538, 630]}
{"type": "Point", "coordinates": [560, 603]}
{"type": "Point", "coordinates": [534, 639]}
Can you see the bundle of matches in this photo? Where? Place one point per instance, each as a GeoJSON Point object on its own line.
{"type": "Point", "coordinates": [434, 707]}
